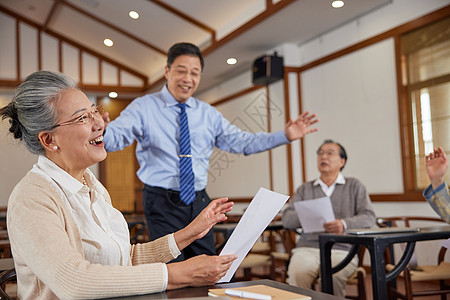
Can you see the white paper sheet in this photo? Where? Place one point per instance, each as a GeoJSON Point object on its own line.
{"type": "Point", "coordinates": [446, 244]}
{"type": "Point", "coordinates": [314, 213]}
{"type": "Point", "coordinates": [261, 211]}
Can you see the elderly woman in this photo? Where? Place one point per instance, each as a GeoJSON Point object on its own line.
{"type": "Point", "coordinates": [66, 238]}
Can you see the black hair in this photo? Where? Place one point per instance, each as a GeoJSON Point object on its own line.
{"type": "Point", "coordinates": [184, 49]}
{"type": "Point", "coordinates": [342, 152]}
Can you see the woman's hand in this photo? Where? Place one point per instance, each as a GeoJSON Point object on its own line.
{"type": "Point", "coordinates": [436, 165]}
{"type": "Point", "coordinates": [212, 214]}
{"type": "Point", "coordinates": [198, 271]}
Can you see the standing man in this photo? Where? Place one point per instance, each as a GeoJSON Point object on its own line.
{"type": "Point", "coordinates": [352, 209]}
{"type": "Point", "coordinates": [176, 134]}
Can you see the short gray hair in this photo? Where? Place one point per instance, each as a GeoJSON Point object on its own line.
{"type": "Point", "coordinates": [33, 109]}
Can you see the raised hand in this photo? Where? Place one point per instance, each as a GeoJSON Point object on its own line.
{"type": "Point", "coordinates": [436, 165]}
{"type": "Point", "coordinates": [297, 129]}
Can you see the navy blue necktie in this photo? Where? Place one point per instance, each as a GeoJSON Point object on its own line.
{"type": "Point", "coordinates": [187, 192]}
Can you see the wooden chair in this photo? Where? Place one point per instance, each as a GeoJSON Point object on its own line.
{"type": "Point", "coordinates": [252, 261]}
{"type": "Point", "coordinates": [8, 276]}
{"type": "Point", "coordinates": [258, 258]}
{"type": "Point", "coordinates": [439, 272]}
{"type": "Point", "coordinates": [5, 249]}
{"type": "Point", "coordinates": [280, 263]}
{"type": "Point", "coordinates": [280, 260]}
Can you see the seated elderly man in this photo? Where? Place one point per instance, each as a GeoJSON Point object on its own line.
{"type": "Point", "coordinates": [352, 209]}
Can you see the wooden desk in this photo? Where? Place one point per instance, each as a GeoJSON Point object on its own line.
{"type": "Point", "coordinates": [191, 292]}
{"type": "Point", "coordinates": [376, 244]}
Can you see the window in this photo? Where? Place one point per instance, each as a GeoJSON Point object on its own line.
{"type": "Point", "coordinates": [426, 63]}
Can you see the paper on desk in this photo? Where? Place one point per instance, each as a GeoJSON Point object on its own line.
{"type": "Point", "coordinates": [314, 213]}
{"type": "Point", "coordinates": [261, 211]}
{"type": "Point", "coordinates": [446, 244]}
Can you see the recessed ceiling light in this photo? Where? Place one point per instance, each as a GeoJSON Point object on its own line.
{"type": "Point", "coordinates": [108, 42]}
{"type": "Point", "coordinates": [133, 14]}
{"type": "Point", "coordinates": [231, 61]}
{"type": "Point", "coordinates": [113, 95]}
{"type": "Point", "coordinates": [337, 3]}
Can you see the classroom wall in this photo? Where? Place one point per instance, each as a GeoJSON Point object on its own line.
{"type": "Point", "coordinates": [355, 97]}
{"type": "Point", "coordinates": [369, 130]}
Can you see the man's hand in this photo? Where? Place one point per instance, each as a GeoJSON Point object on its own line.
{"type": "Point", "coordinates": [105, 118]}
{"type": "Point", "coordinates": [436, 164]}
{"type": "Point", "coordinates": [297, 129]}
{"type": "Point", "coordinates": [335, 226]}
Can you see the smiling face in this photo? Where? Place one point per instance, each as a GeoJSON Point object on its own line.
{"type": "Point", "coordinates": [183, 77]}
{"type": "Point", "coordinates": [329, 162]}
{"type": "Point", "coordinates": [79, 145]}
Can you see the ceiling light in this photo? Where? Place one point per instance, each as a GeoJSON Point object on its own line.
{"type": "Point", "coordinates": [133, 15]}
{"type": "Point", "coordinates": [113, 95]}
{"type": "Point", "coordinates": [337, 4]}
{"type": "Point", "coordinates": [108, 42]}
{"type": "Point", "coordinates": [231, 61]}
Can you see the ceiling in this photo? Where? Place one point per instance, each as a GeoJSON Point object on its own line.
{"type": "Point", "coordinates": [221, 28]}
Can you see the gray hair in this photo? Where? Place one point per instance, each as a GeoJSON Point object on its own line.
{"type": "Point", "coordinates": [33, 109]}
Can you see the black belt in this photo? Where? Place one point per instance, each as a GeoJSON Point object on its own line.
{"type": "Point", "coordinates": [163, 190]}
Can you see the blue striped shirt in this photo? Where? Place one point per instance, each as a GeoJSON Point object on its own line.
{"type": "Point", "coordinates": [152, 120]}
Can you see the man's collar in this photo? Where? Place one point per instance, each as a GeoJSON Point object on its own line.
{"type": "Point", "coordinates": [339, 180]}
{"type": "Point", "coordinates": [170, 100]}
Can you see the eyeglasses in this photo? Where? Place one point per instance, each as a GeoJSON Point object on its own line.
{"type": "Point", "coordinates": [328, 153]}
{"type": "Point", "coordinates": [181, 72]}
{"type": "Point", "coordinates": [85, 118]}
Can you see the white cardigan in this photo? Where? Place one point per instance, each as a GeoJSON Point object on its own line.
{"type": "Point", "coordinates": [49, 258]}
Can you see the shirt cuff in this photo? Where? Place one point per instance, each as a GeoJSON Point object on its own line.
{"type": "Point", "coordinates": [280, 138]}
{"type": "Point", "coordinates": [429, 192]}
{"type": "Point", "coordinates": [175, 252]}
{"type": "Point", "coordinates": [173, 246]}
{"type": "Point", "coordinates": [165, 277]}
{"type": "Point", "coordinates": [345, 224]}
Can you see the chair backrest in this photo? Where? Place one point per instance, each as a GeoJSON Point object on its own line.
{"type": "Point", "coordinates": [289, 239]}
{"type": "Point", "coordinates": [408, 221]}
{"type": "Point", "coordinates": [404, 221]}
{"type": "Point", "coordinates": [5, 277]}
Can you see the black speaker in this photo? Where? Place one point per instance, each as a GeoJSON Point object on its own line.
{"type": "Point", "coordinates": [267, 69]}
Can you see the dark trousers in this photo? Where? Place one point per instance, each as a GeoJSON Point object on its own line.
{"type": "Point", "coordinates": [165, 213]}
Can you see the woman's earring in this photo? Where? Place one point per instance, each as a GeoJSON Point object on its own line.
{"type": "Point", "coordinates": [55, 147]}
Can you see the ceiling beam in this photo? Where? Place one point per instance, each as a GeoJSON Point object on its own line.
{"type": "Point", "coordinates": [268, 12]}
{"type": "Point", "coordinates": [75, 44]}
{"type": "Point", "coordinates": [114, 27]}
{"type": "Point", "coordinates": [186, 17]}
{"type": "Point", "coordinates": [51, 14]}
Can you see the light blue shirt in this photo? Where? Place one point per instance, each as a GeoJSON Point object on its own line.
{"type": "Point", "coordinates": [153, 120]}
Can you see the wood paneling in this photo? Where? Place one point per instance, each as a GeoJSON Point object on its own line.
{"type": "Point", "coordinates": [118, 170]}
